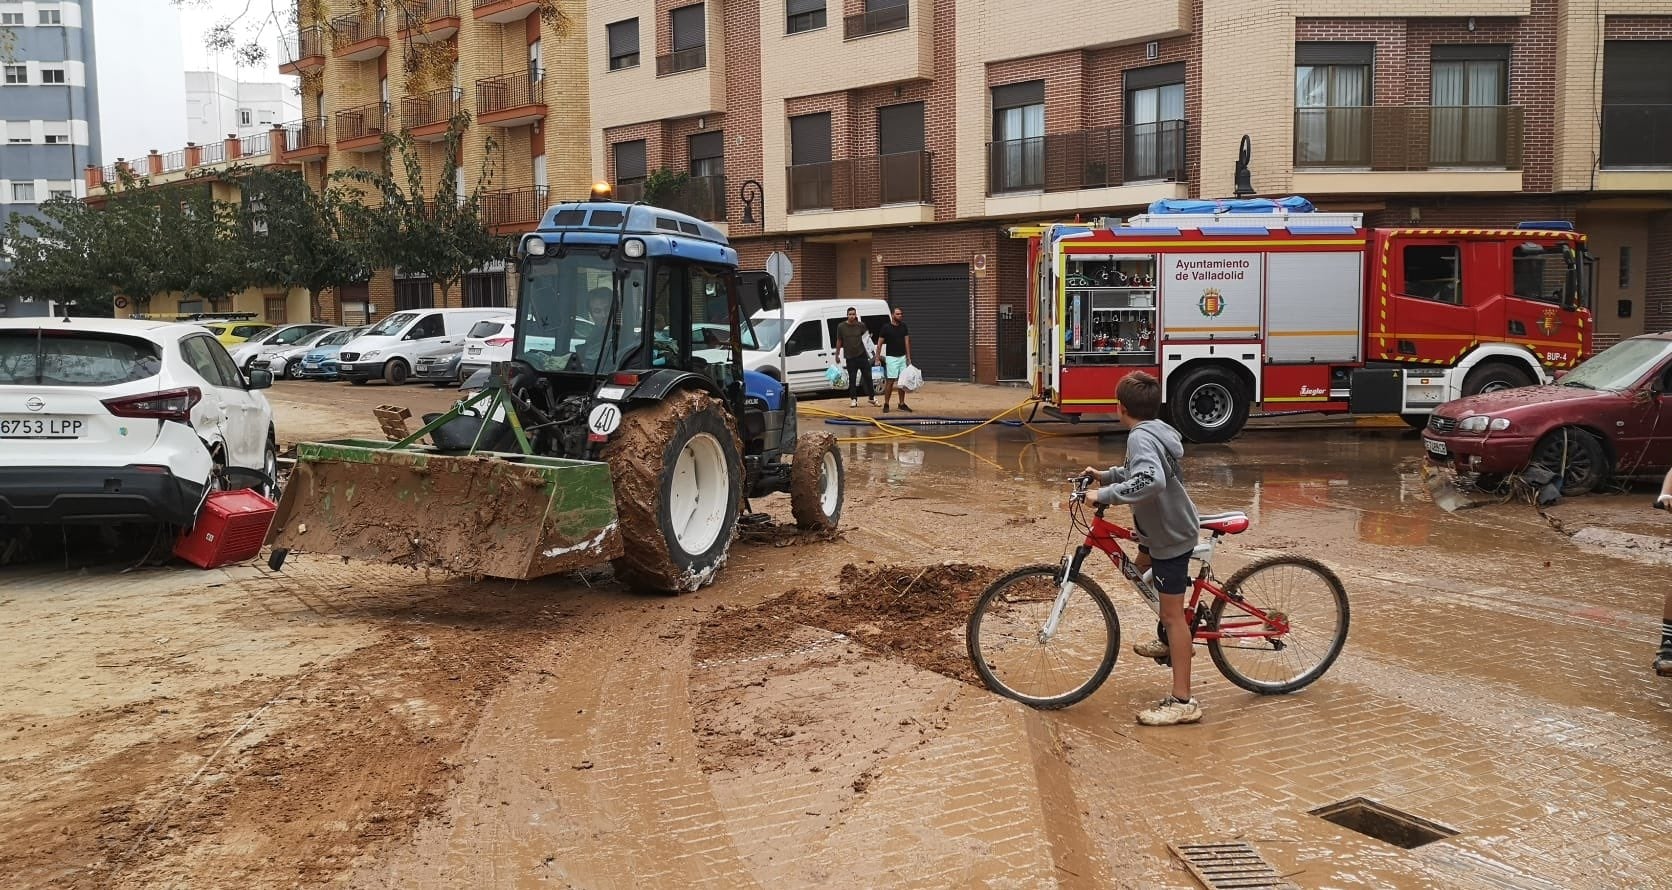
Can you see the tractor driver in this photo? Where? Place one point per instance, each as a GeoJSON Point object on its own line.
{"type": "Point", "coordinates": [598, 312]}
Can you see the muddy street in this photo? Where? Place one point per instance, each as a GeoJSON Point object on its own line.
{"type": "Point", "coordinates": [811, 719]}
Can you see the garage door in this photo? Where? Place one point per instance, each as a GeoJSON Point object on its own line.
{"type": "Point", "coordinates": [936, 300]}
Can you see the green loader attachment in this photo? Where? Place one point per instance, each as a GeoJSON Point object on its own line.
{"type": "Point", "coordinates": [496, 514]}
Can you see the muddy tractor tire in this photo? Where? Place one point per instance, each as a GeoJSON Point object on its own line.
{"type": "Point", "coordinates": [678, 471]}
{"type": "Point", "coordinates": [1209, 405]}
{"type": "Point", "coordinates": [818, 482]}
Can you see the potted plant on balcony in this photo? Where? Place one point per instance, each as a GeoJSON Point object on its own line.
{"type": "Point", "coordinates": [664, 187]}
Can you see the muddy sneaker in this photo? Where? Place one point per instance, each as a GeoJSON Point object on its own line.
{"type": "Point", "coordinates": [1150, 649]}
{"type": "Point", "coordinates": [853, 403]}
{"type": "Point", "coordinates": [1663, 665]}
{"type": "Point", "coordinates": [1171, 711]}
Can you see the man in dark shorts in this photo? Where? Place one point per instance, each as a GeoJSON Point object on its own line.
{"type": "Point", "coordinates": [894, 354]}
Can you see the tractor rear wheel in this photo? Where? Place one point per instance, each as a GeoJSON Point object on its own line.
{"type": "Point", "coordinates": [817, 482]}
{"type": "Point", "coordinates": [678, 472]}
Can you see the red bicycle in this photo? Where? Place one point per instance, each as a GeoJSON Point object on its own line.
{"type": "Point", "coordinates": [1048, 636]}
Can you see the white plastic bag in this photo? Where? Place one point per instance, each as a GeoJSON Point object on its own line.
{"type": "Point", "coordinates": [911, 379]}
{"type": "Point", "coordinates": [836, 376]}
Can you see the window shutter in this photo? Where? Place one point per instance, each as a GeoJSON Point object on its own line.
{"type": "Point", "coordinates": [1637, 72]}
{"type": "Point", "coordinates": [629, 160]}
{"type": "Point", "coordinates": [1335, 53]}
{"type": "Point", "coordinates": [1471, 53]}
{"type": "Point", "coordinates": [1017, 95]}
{"type": "Point", "coordinates": [1153, 76]}
{"type": "Point", "coordinates": [801, 7]}
{"type": "Point", "coordinates": [810, 139]}
{"type": "Point", "coordinates": [624, 38]}
{"type": "Point", "coordinates": [688, 27]}
{"type": "Point", "coordinates": [900, 128]}
{"type": "Point", "coordinates": [708, 145]}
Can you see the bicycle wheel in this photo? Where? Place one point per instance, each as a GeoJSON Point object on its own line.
{"type": "Point", "coordinates": [1003, 636]}
{"type": "Point", "coordinates": [1312, 599]}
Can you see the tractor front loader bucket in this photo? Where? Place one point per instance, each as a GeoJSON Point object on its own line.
{"type": "Point", "coordinates": [493, 514]}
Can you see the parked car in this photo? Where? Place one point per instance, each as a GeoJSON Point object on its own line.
{"type": "Point", "coordinates": [391, 348]}
{"type": "Point", "coordinates": [320, 361]}
{"type": "Point", "coordinates": [438, 370]}
{"type": "Point", "coordinates": [1610, 416]}
{"type": "Point", "coordinates": [231, 333]}
{"type": "Point", "coordinates": [488, 341]}
{"type": "Point", "coordinates": [286, 361]}
{"type": "Point", "coordinates": [111, 420]}
{"type": "Point", "coordinates": [273, 338]}
{"type": "Point", "coordinates": [811, 329]}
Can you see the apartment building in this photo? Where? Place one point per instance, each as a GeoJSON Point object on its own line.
{"type": "Point", "coordinates": [885, 145]}
{"type": "Point", "coordinates": [218, 106]}
{"type": "Point", "coordinates": [411, 66]}
{"type": "Point", "coordinates": [48, 110]}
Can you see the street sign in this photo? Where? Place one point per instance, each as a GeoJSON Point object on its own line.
{"type": "Point", "coordinates": [778, 265]}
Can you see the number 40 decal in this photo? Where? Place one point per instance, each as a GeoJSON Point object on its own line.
{"type": "Point", "coordinates": [604, 419]}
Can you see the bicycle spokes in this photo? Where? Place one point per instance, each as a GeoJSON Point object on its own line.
{"type": "Point", "coordinates": [1284, 625]}
{"type": "Point", "coordinates": [1041, 642]}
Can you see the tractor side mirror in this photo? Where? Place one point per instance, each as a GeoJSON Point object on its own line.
{"type": "Point", "coordinates": [767, 290]}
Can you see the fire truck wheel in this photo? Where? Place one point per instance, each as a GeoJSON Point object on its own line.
{"type": "Point", "coordinates": [1209, 405]}
{"type": "Point", "coordinates": [1415, 421]}
{"type": "Point", "coordinates": [1494, 376]}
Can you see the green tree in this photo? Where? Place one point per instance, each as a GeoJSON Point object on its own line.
{"type": "Point", "coordinates": [209, 257]}
{"type": "Point", "coordinates": [53, 257]}
{"type": "Point", "coordinates": [441, 235]}
{"type": "Point", "coordinates": [295, 235]}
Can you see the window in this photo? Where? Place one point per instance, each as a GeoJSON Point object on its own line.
{"type": "Point", "coordinates": [629, 169]}
{"type": "Point", "coordinates": [880, 16]}
{"type": "Point", "coordinates": [85, 359]}
{"type": "Point", "coordinates": [1636, 103]}
{"type": "Point", "coordinates": [414, 293]}
{"type": "Point", "coordinates": [1018, 156]}
{"type": "Point", "coordinates": [900, 142]}
{"type": "Point", "coordinates": [51, 17]}
{"type": "Point", "coordinates": [624, 44]}
{"type": "Point", "coordinates": [803, 15]}
{"type": "Point", "coordinates": [810, 174]}
{"type": "Point", "coordinates": [1542, 277]}
{"type": "Point", "coordinates": [57, 139]}
{"type": "Point", "coordinates": [1470, 99]}
{"type": "Point", "coordinates": [52, 75]}
{"type": "Point", "coordinates": [275, 309]}
{"type": "Point", "coordinates": [11, 18]}
{"type": "Point", "coordinates": [18, 133]}
{"type": "Point", "coordinates": [805, 338]}
{"type": "Point", "coordinates": [243, 117]}
{"type": "Point", "coordinates": [485, 289]}
{"type": "Point", "coordinates": [690, 41]}
{"type": "Point", "coordinates": [1625, 266]}
{"type": "Point", "coordinates": [1332, 104]}
{"type": "Point", "coordinates": [64, 194]}
{"type": "Point", "coordinates": [16, 74]}
{"type": "Point", "coordinates": [429, 327]}
{"type": "Point", "coordinates": [1154, 123]}
{"type": "Point", "coordinates": [708, 154]}
{"type": "Point", "coordinates": [199, 352]}
{"type": "Point", "coordinates": [230, 377]}
{"type": "Point", "coordinates": [1432, 272]}
{"type": "Point", "coordinates": [23, 192]}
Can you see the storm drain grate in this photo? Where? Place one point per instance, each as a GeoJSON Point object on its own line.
{"type": "Point", "coordinates": [1228, 866]}
{"type": "Point", "coordinates": [1384, 823]}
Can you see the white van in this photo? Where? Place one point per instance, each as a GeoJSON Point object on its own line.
{"type": "Point", "coordinates": [390, 348]}
{"type": "Point", "coordinates": [812, 340]}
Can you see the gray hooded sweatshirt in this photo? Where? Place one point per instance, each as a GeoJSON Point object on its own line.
{"type": "Point", "coordinates": [1160, 505]}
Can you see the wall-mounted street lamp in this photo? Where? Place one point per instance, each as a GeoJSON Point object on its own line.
{"type": "Point", "coordinates": [749, 203]}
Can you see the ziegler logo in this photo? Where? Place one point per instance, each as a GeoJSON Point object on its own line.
{"type": "Point", "coordinates": [1311, 390]}
{"type": "Point", "coordinates": [1548, 322]}
{"type": "Point", "coordinates": [1212, 302]}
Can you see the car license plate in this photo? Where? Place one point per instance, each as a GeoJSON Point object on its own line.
{"type": "Point", "coordinates": [311, 366]}
{"type": "Point", "coordinates": [40, 428]}
{"type": "Point", "coordinates": [1438, 449]}
{"type": "Point", "coordinates": [474, 350]}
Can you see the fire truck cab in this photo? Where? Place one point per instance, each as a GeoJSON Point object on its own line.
{"type": "Point", "coordinates": [1269, 303]}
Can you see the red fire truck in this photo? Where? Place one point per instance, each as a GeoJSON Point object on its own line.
{"type": "Point", "coordinates": [1237, 304]}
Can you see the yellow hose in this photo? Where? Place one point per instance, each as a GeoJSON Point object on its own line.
{"type": "Point", "coordinates": [890, 431]}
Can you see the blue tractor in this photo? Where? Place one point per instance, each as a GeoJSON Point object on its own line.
{"type": "Point", "coordinates": [622, 429]}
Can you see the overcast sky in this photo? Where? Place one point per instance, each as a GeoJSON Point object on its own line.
{"type": "Point", "coordinates": [143, 49]}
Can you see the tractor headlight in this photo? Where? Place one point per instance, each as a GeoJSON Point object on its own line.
{"type": "Point", "coordinates": [534, 245]}
{"type": "Point", "coordinates": [633, 248]}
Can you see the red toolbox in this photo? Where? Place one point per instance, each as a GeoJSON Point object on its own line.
{"type": "Point", "coordinates": [231, 528]}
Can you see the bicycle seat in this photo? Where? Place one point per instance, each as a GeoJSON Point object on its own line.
{"type": "Point", "coordinates": [1233, 523]}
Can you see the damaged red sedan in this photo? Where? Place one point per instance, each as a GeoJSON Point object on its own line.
{"type": "Point", "coordinates": [1610, 416]}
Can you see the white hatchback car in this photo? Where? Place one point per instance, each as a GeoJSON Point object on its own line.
{"type": "Point", "coordinates": [488, 341]}
{"type": "Point", "coordinates": [110, 420]}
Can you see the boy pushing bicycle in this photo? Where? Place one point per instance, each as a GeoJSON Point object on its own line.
{"type": "Point", "coordinates": [1165, 519]}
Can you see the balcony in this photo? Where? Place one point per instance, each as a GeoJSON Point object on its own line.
{"type": "Point", "coordinates": [511, 100]}
{"type": "Point", "coordinates": [303, 51]}
{"type": "Point", "coordinates": [426, 117]}
{"type": "Point", "coordinates": [876, 21]}
{"type": "Point", "coordinates": [681, 61]}
{"type": "Point", "coordinates": [305, 140]}
{"type": "Point", "coordinates": [511, 211]}
{"type": "Point", "coordinates": [430, 21]}
{"type": "Point", "coordinates": [360, 37]}
{"type": "Point", "coordinates": [503, 11]}
{"type": "Point", "coordinates": [703, 197]}
{"type": "Point", "coordinates": [1378, 148]}
{"type": "Point", "coordinates": [1088, 159]}
{"type": "Point", "coordinates": [361, 129]}
{"type": "Point", "coordinates": [896, 189]}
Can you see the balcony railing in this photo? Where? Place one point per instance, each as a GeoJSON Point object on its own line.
{"type": "Point", "coordinates": [876, 21]}
{"type": "Point", "coordinates": [258, 145]}
{"type": "Point", "coordinates": [366, 120]}
{"type": "Point", "coordinates": [703, 197]}
{"type": "Point", "coordinates": [859, 183]}
{"type": "Point", "coordinates": [308, 43]}
{"type": "Point", "coordinates": [424, 11]}
{"type": "Point", "coordinates": [508, 91]}
{"type": "Point", "coordinates": [1088, 159]}
{"type": "Point", "coordinates": [628, 192]}
{"type": "Point", "coordinates": [355, 27]}
{"type": "Point", "coordinates": [213, 153]}
{"type": "Point", "coordinates": [682, 60]}
{"type": "Point", "coordinates": [426, 109]}
{"type": "Point", "coordinates": [174, 161]}
{"type": "Point", "coordinates": [305, 134]}
{"type": "Point", "coordinates": [513, 207]}
{"type": "Point", "coordinates": [1409, 137]}
{"type": "Point", "coordinates": [1637, 136]}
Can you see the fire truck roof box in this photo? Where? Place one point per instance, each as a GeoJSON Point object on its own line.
{"type": "Point", "coordinates": [1251, 216]}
